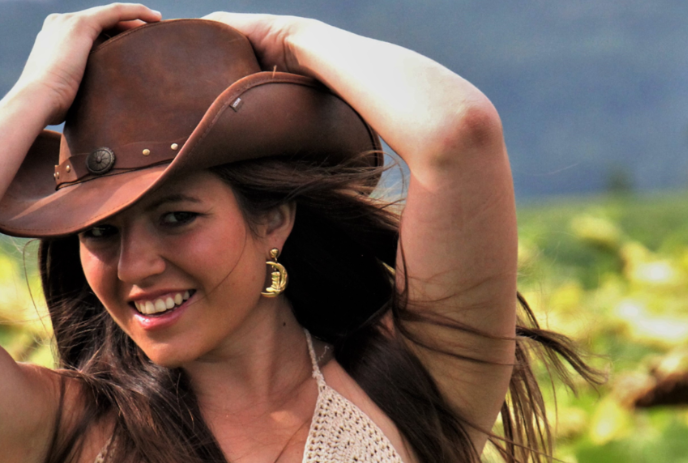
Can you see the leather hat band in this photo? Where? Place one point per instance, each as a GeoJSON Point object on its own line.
{"type": "Point", "coordinates": [80, 167]}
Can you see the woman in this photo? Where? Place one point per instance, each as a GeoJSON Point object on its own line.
{"type": "Point", "coordinates": [182, 171]}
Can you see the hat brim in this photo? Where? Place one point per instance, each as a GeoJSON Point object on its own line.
{"type": "Point", "coordinates": [264, 114]}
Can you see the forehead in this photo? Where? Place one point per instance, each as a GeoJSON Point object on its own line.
{"type": "Point", "coordinates": [201, 187]}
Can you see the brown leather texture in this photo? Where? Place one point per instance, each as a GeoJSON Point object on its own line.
{"type": "Point", "coordinates": [167, 98]}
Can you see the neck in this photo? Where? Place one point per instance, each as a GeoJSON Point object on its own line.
{"type": "Point", "coordinates": [260, 370]}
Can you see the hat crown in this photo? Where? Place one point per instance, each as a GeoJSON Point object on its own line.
{"type": "Point", "coordinates": [152, 85]}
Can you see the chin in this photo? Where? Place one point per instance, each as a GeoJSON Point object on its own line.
{"type": "Point", "coordinates": [168, 357]}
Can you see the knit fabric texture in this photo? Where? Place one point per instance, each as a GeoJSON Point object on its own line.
{"type": "Point", "coordinates": [340, 432]}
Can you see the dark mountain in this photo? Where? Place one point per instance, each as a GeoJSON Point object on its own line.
{"type": "Point", "coordinates": [593, 94]}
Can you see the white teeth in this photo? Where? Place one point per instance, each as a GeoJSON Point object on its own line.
{"type": "Point", "coordinates": [148, 308]}
{"type": "Point", "coordinates": [161, 304]}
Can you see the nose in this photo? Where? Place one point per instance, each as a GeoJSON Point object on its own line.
{"type": "Point", "coordinates": [140, 257]}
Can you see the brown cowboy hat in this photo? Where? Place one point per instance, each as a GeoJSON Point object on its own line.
{"type": "Point", "coordinates": [160, 100]}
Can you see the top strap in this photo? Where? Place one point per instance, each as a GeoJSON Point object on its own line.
{"type": "Point", "coordinates": [317, 374]}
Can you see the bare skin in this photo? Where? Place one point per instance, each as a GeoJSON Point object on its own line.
{"type": "Point", "coordinates": [458, 236]}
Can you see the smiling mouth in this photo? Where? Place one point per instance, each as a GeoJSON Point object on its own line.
{"type": "Point", "coordinates": [162, 304]}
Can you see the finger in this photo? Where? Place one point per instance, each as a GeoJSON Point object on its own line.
{"type": "Point", "coordinates": [126, 25]}
{"type": "Point", "coordinates": [265, 32]}
{"type": "Point", "coordinates": [108, 16]}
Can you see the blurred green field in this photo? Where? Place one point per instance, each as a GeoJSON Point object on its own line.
{"type": "Point", "coordinates": [611, 272]}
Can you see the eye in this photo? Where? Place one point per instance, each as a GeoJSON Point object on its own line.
{"type": "Point", "coordinates": [178, 218]}
{"type": "Point", "coordinates": [100, 232]}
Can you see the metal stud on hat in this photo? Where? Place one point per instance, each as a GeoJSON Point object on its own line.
{"type": "Point", "coordinates": [100, 161]}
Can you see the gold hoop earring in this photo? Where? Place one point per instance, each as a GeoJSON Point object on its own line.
{"type": "Point", "coordinates": [278, 277]}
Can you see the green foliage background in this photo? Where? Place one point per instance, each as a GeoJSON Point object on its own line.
{"type": "Point", "coordinates": [611, 272]}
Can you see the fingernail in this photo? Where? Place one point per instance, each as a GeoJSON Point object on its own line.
{"type": "Point", "coordinates": [156, 11]}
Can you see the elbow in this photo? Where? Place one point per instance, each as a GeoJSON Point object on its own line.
{"type": "Point", "coordinates": [474, 129]}
{"type": "Point", "coordinates": [478, 125]}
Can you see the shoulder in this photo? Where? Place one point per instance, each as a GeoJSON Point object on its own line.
{"type": "Point", "coordinates": [29, 405]}
{"type": "Point", "coordinates": [37, 405]}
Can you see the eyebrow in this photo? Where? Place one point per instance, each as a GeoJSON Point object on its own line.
{"type": "Point", "coordinates": [172, 198]}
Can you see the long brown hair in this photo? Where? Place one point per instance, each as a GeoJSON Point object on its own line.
{"type": "Point", "coordinates": [157, 417]}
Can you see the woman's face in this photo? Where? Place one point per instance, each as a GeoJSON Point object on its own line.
{"type": "Point", "coordinates": [184, 252]}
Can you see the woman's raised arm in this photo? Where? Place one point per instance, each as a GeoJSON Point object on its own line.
{"type": "Point", "coordinates": [29, 396]}
{"type": "Point", "coordinates": [458, 231]}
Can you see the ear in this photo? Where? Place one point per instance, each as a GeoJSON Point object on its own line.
{"type": "Point", "coordinates": [278, 224]}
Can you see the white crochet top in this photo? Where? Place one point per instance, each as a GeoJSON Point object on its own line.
{"type": "Point", "coordinates": [340, 432]}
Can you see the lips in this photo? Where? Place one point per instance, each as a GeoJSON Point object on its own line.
{"type": "Point", "coordinates": [162, 304]}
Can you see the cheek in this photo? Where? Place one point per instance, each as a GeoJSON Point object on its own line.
{"type": "Point", "coordinates": [98, 273]}
{"type": "Point", "coordinates": [236, 261]}
{"type": "Point", "coordinates": [217, 251]}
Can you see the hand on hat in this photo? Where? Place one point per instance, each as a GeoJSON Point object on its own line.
{"type": "Point", "coordinates": [56, 64]}
{"type": "Point", "coordinates": [48, 85]}
{"type": "Point", "coordinates": [269, 35]}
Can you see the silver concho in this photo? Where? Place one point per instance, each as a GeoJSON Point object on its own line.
{"type": "Point", "coordinates": [100, 161]}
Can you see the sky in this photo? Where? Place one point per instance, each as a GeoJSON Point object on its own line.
{"type": "Point", "coordinates": [588, 91]}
